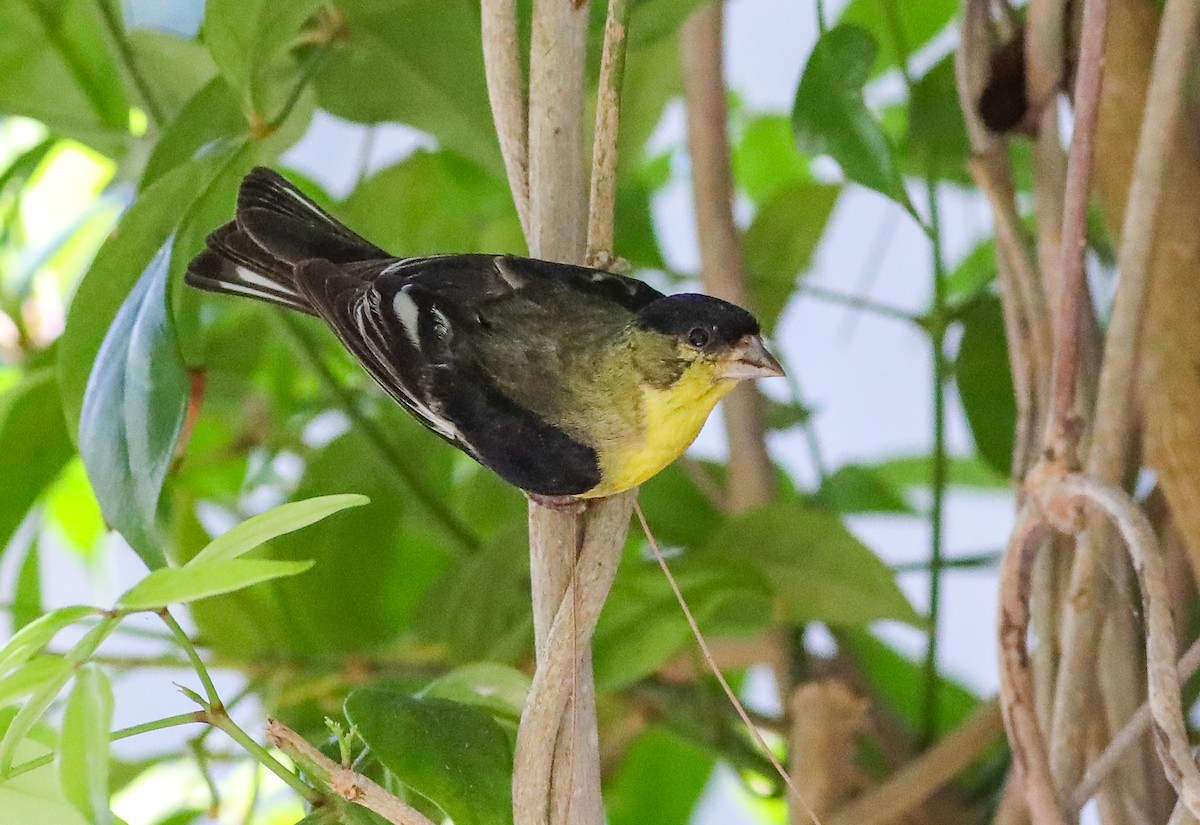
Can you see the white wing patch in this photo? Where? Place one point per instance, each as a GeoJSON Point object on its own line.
{"type": "Point", "coordinates": [253, 279]}
{"type": "Point", "coordinates": [409, 315]}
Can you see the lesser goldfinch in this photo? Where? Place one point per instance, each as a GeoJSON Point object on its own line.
{"type": "Point", "coordinates": [568, 382]}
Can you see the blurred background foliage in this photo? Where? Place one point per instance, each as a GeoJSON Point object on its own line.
{"type": "Point", "coordinates": [177, 414]}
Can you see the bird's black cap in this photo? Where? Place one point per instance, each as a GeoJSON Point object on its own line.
{"type": "Point", "coordinates": [685, 316]}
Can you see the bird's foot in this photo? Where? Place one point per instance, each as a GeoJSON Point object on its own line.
{"type": "Point", "coordinates": [561, 504]}
{"type": "Point", "coordinates": [609, 262]}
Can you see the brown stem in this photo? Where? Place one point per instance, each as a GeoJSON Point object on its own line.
{"type": "Point", "coordinates": [1114, 426]}
{"type": "Point", "coordinates": [344, 782]}
{"type": "Point", "coordinates": [905, 790]}
{"type": "Point", "coordinates": [1063, 430]}
{"type": "Point", "coordinates": [506, 94]}
{"type": "Point", "coordinates": [751, 480]}
{"type": "Point", "coordinates": [603, 195]}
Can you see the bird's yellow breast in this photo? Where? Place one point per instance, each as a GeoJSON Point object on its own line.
{"type": "Point", "coordinates": [672, 418]}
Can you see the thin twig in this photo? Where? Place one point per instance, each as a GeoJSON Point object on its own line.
{"type": "Point", "coordinates": [1062, 433]}
{"type": "Point", "coordinates": [603, 196]}
{"type": "Point", "coordinates": [344, 782]}
{"type": "Point", "coordinates": [506, 94]}
{"type": "Point", "coordinates": [921, 778]}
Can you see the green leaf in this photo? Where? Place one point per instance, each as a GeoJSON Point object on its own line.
{"type": "Point", "coordinates": [275, 522]}
{"type": "Point", "coordinates": [83, 757]}
{"type": "Point", "coordinates": [498, 689]}
{"type": "Point", "coordinates": [854, 488]}
{"type": "Point", "coordinates": [179, 585]}
{"type": "Point", "coordinates": [35, 446]}
{"type": "Point", "coordinates": [57, 66]}
{"type": "Point", "coordinates": [27, 596]}
{"type": "Point", "coordinates": [918, 24]}
{"type": "Point", "coordinates": [659, 781]}
{"type": "Point", "coordinates": [34, 796]}
{"type": "Point", "coordinates": [432, 202]}
{"type": "Point", "coordinates": [416, 62]}
{"type": "Point", "coordinates": [785, 415]}
{"type": "Point", "coordinates": [211, 114]}
{"type": "Point", "coordinates": [37, 634]}
{"type": "Point", "coordinates": [830, 118]}
{"type": "Point", "coordinates": [780, 241]}
{"type": "Point", "coordinates": [819, 570]}
{"type": "Point", "coordinates": [119, 263]}
{"type": "Point", "coordinates": [250, 40]}
{"type": "Point", "coordinates": [133, 412]}
{"type": "Point", "coordinates": [173, 67]}
{"type": "Point", "coordinates": [937, 140]}
{"type": "Point", "coordinates": [31, 676]}
{"type": "Point", "coordinates": [916, 471]}
{"type": "Point", "coordinates": [679, 513]}
{"type": "Point", "coordinates": [765, 159]}
{"type": "Point", "coordinates": [451, 753]}
{"type": "Point", "coordinates": [642, 626]}
{"type": "Point", "coordinates": [984, 381]}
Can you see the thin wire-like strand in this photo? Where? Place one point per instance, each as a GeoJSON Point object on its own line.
{"type": "Point", "coordinates": [708, 657]}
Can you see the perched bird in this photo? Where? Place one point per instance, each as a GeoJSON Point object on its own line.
{"type": "Point", "coordinates": [568, 382]}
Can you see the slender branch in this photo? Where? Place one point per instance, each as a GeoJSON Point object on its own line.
{"type": "Point", "coordinates": [193, 656]}
{"type": "Point", "coordinates": [1063, 430]}
{"type": "Point", "coordinates": [857, 302]}
{"type": "Point", "coordinates": [921, 778]}
{"type": "Point", "coordinates": [384, 447]}
{"type": "Point", "coordinates": [219, 719]}
{"type": "Point", "coordinates": [342, 781]}
{"type": "Point", "coordinates": [506, 93]}
{"type": "Point", "coordinates": [603, 196]}
{"type": "Point", "coordinates": [1126, 737]}
{"type": "Point", "coordinates": [196, 716]}
{"type": "Point", "coordinates": [751, 474]}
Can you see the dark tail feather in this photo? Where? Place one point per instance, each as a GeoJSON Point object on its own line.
{"type": "Point", "coordinates": [276, 227]}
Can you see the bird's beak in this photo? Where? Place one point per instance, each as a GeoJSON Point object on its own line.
{"type": "Point", "coordinates": [749, 359]}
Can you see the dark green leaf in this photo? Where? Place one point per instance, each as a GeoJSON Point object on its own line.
{"type": "Point", "coordinates": [416, 62]}
{"type": "Point", "coordinates": [142, 232]}
{"type": "Point", "coordinates": [765, 159]}
{"type": "Point", "coordinates": [179, 585]}
{"type": "Point", "coordinates": [250, 41]}
{"type": "Point", "coordinates": [858, 489]}
{"type": "Point", "coordinates": [817, 568]}
{"type": "Point", "coordinates": [653, 77]}
{"type": "Point", "coordinates": [273, 523]}
{"type": "Point", "coordinates": [57, 65]}
{"type": "Point", "coordinates": [785, 415]}
{"type": "Point", "coordinates": [651, 21]}
{"type": "Point", "coordinates": [38, 633]}
{"type": "Point", "coordinates": [133, 412]}
{"type": "Point", "coordinates": [83, 758]}
{"type": "Point", "coordinates": [679, 514]}
{"type": "Point", "coordinates": [984, 382]}
{"type": "Point", "coordinates": [918, 24]}
{"type": "Point", "coordinates": [780, 241]}
{"type": "Point", "coordinates": [34, 443]}
{"type": "Point", "coordinates": [937, 137]}
{"type": "Point", "coordinates": [659, 781]}
{"type": "Point", "coordinates": [830, 117]}
{"type": "Point", "coordinates": [643, 627]}
{"type": "Point", "coordinates": [973, 273]}
{"type": "Point", "coordinates": [432, 202]}
{"type": "Point", "coordinates": [454, 754]}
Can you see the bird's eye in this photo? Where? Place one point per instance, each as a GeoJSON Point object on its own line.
{"type": "Point", "coordinates": [698, 337]}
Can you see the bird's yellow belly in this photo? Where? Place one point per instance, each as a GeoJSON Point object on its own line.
{"type": "Point", "coordinates": [672, 420]}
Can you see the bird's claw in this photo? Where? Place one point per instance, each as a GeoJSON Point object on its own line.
{"type": "Point", "coordinates": [609, 262]}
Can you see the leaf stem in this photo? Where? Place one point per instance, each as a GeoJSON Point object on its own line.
{"type": "Point", "coordinates": [386, 450]}
{"type": "Point", "coordinates": [193, 656]}
{"type": "Point", "coordinates": [221, 720]}
{"type": "Point", "coordinates": [117, 31]}
{"type": "Point", "coordinates": [196, 716]}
